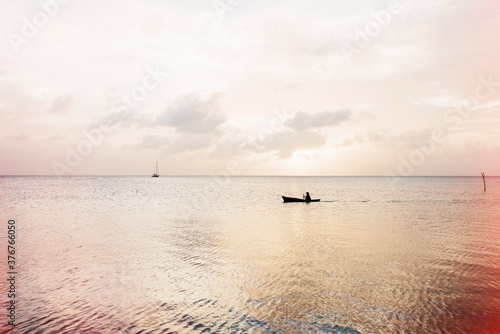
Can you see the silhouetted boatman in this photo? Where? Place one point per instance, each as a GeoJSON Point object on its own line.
{"type": "Point", "coordinates": [308, 198]}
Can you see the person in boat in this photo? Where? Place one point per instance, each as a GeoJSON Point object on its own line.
{"type": "Point", "coordinates": [308, 198]}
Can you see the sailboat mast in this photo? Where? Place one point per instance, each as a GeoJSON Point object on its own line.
{"type": "Point", "coordinates": [156, 171]}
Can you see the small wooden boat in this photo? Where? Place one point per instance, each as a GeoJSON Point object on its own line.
{"type": "Point", "coordinates": [292, 199]}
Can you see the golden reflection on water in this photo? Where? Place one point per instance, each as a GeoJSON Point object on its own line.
{"type": "Point", "coordinates": [362, 271]}
{"type": "Point", "coordinates": [129, 255]}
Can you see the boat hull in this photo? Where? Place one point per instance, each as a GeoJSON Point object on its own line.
{"type": "Point", "coordinates": [292, 199]}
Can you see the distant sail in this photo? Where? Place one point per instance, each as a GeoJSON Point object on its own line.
{"type": "Point", "coordinates": [156, 171]}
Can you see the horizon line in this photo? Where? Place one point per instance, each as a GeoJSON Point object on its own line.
{"type": "Point", "coordinates": [248, 175]}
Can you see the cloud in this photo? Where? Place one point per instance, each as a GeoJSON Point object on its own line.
{"type": "Point", "coordinates": [18, 138]}
{"type": "Point", "coordinates": [16, 101]}
{"type": "Point", "coordinates": [227, 149]}
{"type": "Point", "coordinates": [62, 104]}
{"type": "Point", "coordinates": [378, 138]}
{"type": "Point", "coordinates": [187, 142]}
{"type": "Point", "coordinates": [303, 121]}
{"type": "Point", "coordinates": [286, 143]}
{"type": "Point", "coordinates": [371, 135]}
{"type": "Point", "coordinates": [356, 139]}
{"type": "Point", "coordinates": [153, 142]}
{"type": "Point", "coordinates": [189, 113]}
{"type": "Point", "coordinates": [122, 117]}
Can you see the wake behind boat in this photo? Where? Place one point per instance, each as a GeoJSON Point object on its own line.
{"type": "Point", "coordinates": [293, 199]}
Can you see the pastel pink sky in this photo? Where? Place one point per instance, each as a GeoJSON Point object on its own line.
{"type": "Point", "coordinates": [250, 87]}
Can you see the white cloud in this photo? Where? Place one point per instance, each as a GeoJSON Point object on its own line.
{"type": "Point", "coordinates": [62, 103]}
{"type": "Point", "coordinates": [303, 121]}
{"type": "Point", "coordinates": [284, 144]}
{"type": "Point", "coordinates": [189, 113]}
{"type": "Point", "coordinates": [179, 144]}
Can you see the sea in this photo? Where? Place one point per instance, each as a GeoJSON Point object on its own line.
{"type": "Point", "coordinates": [215, 254]}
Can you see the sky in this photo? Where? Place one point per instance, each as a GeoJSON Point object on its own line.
{"type": "Point", "coordinates": [239, 87]}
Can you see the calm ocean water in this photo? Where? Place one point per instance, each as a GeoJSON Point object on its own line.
{"type": "Point", "coordinates": [205, 255]}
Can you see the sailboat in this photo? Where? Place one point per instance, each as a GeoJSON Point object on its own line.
{"type": "Point", "coordinates": [156, 171]}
